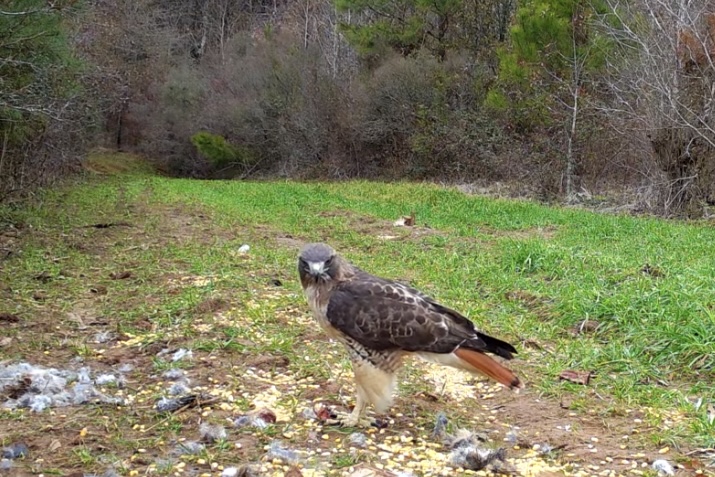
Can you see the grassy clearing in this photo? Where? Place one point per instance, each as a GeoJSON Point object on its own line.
{"type": "Point", "coordinates": [522, 271]}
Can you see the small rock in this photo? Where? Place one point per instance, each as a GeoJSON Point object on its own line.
{"type": "Point", "coordinates": [243, 249]}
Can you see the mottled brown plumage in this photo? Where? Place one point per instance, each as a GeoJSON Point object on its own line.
{"type": "Point", "coordinates": [380, 321]}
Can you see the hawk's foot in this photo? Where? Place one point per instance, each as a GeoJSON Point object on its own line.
{"type": "Point", "coordinates": [344, 419]}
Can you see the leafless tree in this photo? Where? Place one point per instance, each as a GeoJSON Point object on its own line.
{"type": "Point", "coordinates": [663, 91]}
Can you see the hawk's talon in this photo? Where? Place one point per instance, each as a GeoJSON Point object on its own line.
{"type": "Point", "coordinates": [343, 419]}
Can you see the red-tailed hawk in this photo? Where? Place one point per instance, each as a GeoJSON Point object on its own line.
{"type": "Point", "coordinates": [380, 322]}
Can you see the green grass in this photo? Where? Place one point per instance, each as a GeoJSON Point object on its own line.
{"type": "Point", "coordinates": [520, 270]}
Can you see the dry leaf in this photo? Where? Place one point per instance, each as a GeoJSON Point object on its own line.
{"type": "Point", "coordinates": [578, 377]}
{"type": "Point", "coordinates": [294, 472]}
{"type": "Point", "coordinates": [652, 271]}
{"type": "Point", "coordinates": [120, 275]}
{"type": "Point", "coordinates": [39, 296]}
{"type": "Point", "coordinates": [585, 326]}
{"type": "Point", "coordinates": [531, 343]}
{"type": "Point", "coordinates": [9, 317]}
{"type": "Point", "coordinates": [405, 221]}
{"type": "Point", "coordinates": [43, 276]}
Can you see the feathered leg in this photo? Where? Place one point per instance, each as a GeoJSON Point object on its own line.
{"type": "Point", "coordinates": [374, 386]}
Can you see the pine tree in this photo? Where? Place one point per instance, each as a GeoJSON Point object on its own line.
{"type": "Point", "coordinates": [543, 73]}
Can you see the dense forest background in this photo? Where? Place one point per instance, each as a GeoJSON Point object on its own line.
{"type": "Point", "coordinates": [559, 99]}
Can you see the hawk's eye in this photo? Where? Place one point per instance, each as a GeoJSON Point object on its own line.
{"type": "Point", "coordinates": [328, 262]}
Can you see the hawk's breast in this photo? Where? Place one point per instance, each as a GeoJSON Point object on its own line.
{"type": "Point", "coordinates": [319, 306]}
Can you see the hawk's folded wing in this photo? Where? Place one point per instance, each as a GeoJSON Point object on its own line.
{"type": "Point", "coordinates": [382, 315]}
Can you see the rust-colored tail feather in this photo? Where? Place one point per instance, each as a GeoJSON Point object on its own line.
{"type": "Point", "coordinates": [486, 365]}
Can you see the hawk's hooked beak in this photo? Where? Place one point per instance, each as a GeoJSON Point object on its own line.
{"type": "Point", "coordinates": [316, 268]}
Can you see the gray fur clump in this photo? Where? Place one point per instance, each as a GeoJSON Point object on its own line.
{"type": "Point", "coordinates": [38, 388]}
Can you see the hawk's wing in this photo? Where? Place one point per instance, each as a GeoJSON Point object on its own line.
{"type": "Point", "coordinates": [382, 314]}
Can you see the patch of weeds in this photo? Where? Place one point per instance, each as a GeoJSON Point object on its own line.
{"type": "Point", "coordinates": [85, 456]}
{"type": "Point", "coordinates": [341, 461]}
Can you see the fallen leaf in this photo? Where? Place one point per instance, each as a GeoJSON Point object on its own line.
{"type": "Point", "coordinates": [99, 290]}
{"type": "Point", "coordinates": [39, 296]}
{"type": "Point", "coordinates": [120, 275]}
{"type": "Point", "coordinates": [654, 272]}
{"type": "Point", "coordinates": [405, 221]}
{"type": "Point", "coordinates": [5, 342]}
{"type": "Point", "coordinates": [211, 305]}
{"type": "Point", "coordinates": [531, 343]}
{"type": "Point", "coordinates": [294, 472]}
{"type": "Point", "coordinates": [9, 317]}
{"type": "Point", "coordinates": [43, 276]}
{"type": "Point", "coordinates": [578, 377]}
{"type": "Point", "coordinates": [585, 326]}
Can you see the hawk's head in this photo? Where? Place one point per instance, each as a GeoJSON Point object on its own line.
{"type": "Point", "coordinates": [317, 262]}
